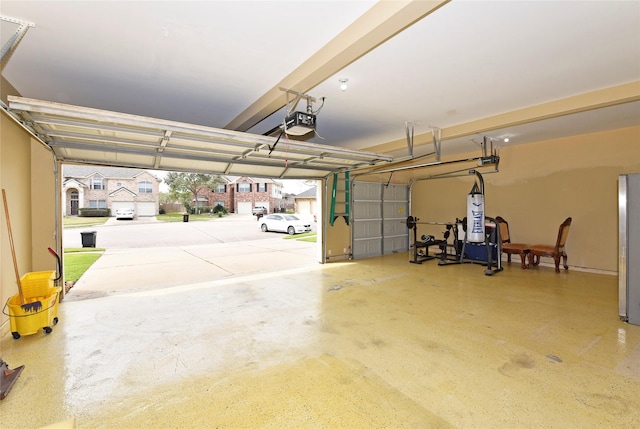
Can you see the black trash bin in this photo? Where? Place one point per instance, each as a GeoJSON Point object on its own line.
{"type": "Point", "coordinates": [185, 217]}
{"type": "Point", "coordinates": [88, 238]}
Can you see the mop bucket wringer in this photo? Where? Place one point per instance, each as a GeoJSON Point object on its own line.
{"type": "Point", "coordinates": [36, 286]}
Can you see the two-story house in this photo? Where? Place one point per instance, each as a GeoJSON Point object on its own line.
{"type": "Point", "coordinates": [241, 194]}
{"type": "Point", "coordinates": [109, 187]}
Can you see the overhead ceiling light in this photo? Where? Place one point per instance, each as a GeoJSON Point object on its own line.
{"type": "Point", "coordinates": [506, 140]}
{"type": "Point", "coordinates": [343, 84]}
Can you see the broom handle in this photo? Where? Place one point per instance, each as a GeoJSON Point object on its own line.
{"type": "Point", "coordinates": [13, 250]}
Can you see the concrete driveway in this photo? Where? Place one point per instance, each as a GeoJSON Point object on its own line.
{"type": "Point", "coordinates": [148, 254]}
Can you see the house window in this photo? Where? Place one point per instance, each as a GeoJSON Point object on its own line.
{"type": "Point", "coordinates": [98, 204]}
{"type": "Point", "coordinates": [96, 183]}
{"type": "Point", "coordinates": [244, 187]}
{"type": "Point", "coordinates": [145, 187]}
{"type": "Point", "coordinates": [119, 185]}
{"type": "Point", "coordinates": [262, 187]}
{"type": "Point", "coordinates": [221, 188]}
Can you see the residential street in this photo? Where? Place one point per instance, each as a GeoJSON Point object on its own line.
{"type": "Point", "coordinates": [147, 232]}
{"type": "Point", "coordinates": [146, 254]}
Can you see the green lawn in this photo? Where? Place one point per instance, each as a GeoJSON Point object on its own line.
{"type": "Point", "coordinates": [178, 217]}
{"type": "Point", "coordinates": [307, 236]}
{"type": "Point", "coordinates": [82, 222]}
{"type": "Point", "coordinates": [78, 260]}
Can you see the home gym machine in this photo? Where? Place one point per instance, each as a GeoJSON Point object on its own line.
{"type": "Point", "coordinates": [421, 248]}
{"type": "Point", "coordinates": [477, 229]}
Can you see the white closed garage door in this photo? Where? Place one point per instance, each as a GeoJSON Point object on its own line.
{"type": "Point", "coordinates": [147, 208]}
{"type": "Point", "coordinates": [245, 207]}
{"type": "Point", "coordinates": [122, 205]}
{"type": "Point", "coordinates": [303, 207]}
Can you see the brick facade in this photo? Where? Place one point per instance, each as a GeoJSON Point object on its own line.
{"type": "Point", "coordinates": [245, 189]}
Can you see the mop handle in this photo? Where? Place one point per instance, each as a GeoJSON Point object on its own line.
{"type": "Point", "coordinates": [13, 250]}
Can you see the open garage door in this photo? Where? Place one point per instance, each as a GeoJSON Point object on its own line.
{"type": "Point", "coordinates": [100, 137]}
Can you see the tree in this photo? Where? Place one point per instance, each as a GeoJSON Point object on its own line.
{"type": "Point", "coordinates": [185, 187]}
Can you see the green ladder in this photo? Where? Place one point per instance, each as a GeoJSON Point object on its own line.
{"type": "Point", "coordinates": [343, 203]}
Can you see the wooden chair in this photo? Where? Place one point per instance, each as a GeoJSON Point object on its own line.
{"type": "Point", "coordinates": [512, 248]}
{"type": "Point", "coordinates": [552, 251]}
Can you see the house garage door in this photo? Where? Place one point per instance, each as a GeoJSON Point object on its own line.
{"type": "Point", "coordinates": [244, 207]}
{"type": "Point", "coordinates": [379, 213]}
{"type": "Point", "coordinates": [115, 205]}
{"type": "Point", "coordinates": [146, 209]}
{"type": "Point", "coordinates": [303, 207]}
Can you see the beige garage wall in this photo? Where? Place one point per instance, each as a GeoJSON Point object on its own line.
{"type": "Point", "coordinates": [15, 163]}
{"type": "Point", "coordinates": [541, 184]}
{"type": "Point", "coordinates": [27, 175]}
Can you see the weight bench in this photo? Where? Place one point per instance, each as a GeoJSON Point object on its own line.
{"type": "Point", "coordinates": [421, 256]}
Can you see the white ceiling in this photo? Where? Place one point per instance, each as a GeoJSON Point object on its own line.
{"type": "Point", "coordinates": [530, 70]}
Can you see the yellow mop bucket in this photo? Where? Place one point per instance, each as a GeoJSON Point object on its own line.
{"type": "Point", "coordinates": [36, 283]}
{"type": "Point", "coordinates": [27, 322]}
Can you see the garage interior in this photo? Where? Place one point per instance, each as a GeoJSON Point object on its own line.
{"type": "Point", "coordinates": [363, 338]}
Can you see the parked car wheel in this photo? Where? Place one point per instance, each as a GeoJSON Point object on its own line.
{"type": "Point", "coordinates": [291, 230]}
{"type": "Point", "coordinates": [264, 227]}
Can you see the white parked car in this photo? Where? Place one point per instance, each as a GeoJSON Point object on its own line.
{"type": "Point", "coordinates": [284, 223]}
{"type": "Point", "coordinates": [124, 213]}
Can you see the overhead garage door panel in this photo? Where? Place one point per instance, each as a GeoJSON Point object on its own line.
{"type": "Point", "coordinates": [395, 208]}
{"type": "Point", "coordinates": [107, 157]}
{"type": "Point", "coordinates": [189, 165]}
{"type": "Point", "coordinates": [379, 219]}
{"type": "Point", "coordinates": [303, 207]}
{"type": "Point", "coordinates": [244, 207]}
{"type": "Point", "coordinates": [365, 210]}
{"type": "Point", "coordinates": [92, 136]}
{"type": "Point", "coordinates": [146, 209]}
{"type": "Point", "coordinates": [367, 219]}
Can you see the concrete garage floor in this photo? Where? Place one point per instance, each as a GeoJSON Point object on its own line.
{"type": "Point", "coordinates": [377, 343]}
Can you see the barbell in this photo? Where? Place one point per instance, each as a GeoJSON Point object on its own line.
{"type": "Point", "coordinates": [413, 221]}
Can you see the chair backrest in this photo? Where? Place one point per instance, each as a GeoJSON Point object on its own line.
{"type": "Point", "coordinates": [504, 229]}
{"type": "Point", "coordinates": [563, 233]}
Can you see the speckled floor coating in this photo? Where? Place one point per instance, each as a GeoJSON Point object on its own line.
{"type": "Point", "coordinates": [380, 343]}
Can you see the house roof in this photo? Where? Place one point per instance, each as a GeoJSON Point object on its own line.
{"type": "Point", "coordinates": [235, 179]}
{"type": "Point", "coordinates": [74, 182]}
{"type": "Point", "coordinates": [309, 193]}
{"type": "Point", "coordinates": [108, 172]}
{"type": "Point", "coordinates": [120, 190]}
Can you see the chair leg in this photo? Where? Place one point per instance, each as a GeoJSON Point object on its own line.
{"type": "Point", "coordinates": [523, 259]}
{"type": "Point", "coordinates": [564, 260]}
{"type": "Point", "coordinates": [534, 260]}
{"type": "Point", "coordinates": [556, 259]}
